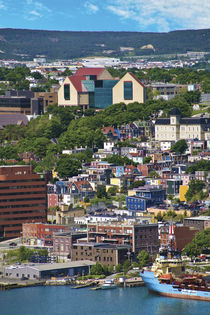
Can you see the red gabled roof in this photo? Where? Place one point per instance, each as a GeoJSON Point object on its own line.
{"type": "Point", "coordinates": [137, 79]}
{"type": "Point", "coordinates": [88, 71]}
{"type": "Point", "coordinates": [80, 183]}
{"type": "Point", "coordinates": [106, 130]}
{"type": "Point", "coordinates": [131, 167]}
{"type": "Point", "coordinates": [77, 82]}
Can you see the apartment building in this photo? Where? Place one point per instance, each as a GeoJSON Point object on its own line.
{"type": "Point", "coordinates": [40, 233]}
{"type": "Point", "coordinates": [175, 128]}
{"type": "Point", "coordinates": [138, 236]}
{"type": "Point", "coordinates": [23, 198]}
{"type": "Point", "coordinates": [105, 254]}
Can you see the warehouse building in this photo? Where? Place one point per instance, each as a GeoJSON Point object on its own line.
{"type": "Point", "coordinates": [46, 271]}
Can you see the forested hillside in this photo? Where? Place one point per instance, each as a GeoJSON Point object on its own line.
{"type": "Point", "coordinates": [26, 44]}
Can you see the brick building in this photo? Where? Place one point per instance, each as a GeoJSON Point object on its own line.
{"type": "Point", "coordinates": [138, 236]}
{"type": "Point", "coordinates": [180, 236]}
{"type": "Point", "coordinates": [105, 254]}
{"type": "Point", "coordinates": [200, 223]}
{"type": "Point", "coordinates": [62, 242]}
{"type": "Point", "coordinates": [49, 98]}
{"type": "Point", "coordinates": [23, 198]}
{"type": "Point", "coordinates": [41, 233]}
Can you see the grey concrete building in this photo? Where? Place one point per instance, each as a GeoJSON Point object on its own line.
{"type": "Point", "coordinates": [46, 271]}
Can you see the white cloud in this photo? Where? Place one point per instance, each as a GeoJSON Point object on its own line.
{"type": "Point", "coordinates": [2, 6]}
{"type": "Point", "coordinates": [35, 13]}
{"type": "Point", "coordinates": [91, 8]}
{"type": "Point", "coordinates": [35, 10]}
{"type": "Point", "coordinates": [164, 15]}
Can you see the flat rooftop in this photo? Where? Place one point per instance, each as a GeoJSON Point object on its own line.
{"type": "Point", "coordinates": [200, 218]}
{"type": "Point", "coordinates": [55, 266]}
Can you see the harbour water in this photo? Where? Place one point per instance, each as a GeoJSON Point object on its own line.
{"type": "Point", "coordinates": [63, 300]}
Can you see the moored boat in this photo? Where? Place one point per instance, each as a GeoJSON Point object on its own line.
{"type": "Point", "coordinates": [108, 284]}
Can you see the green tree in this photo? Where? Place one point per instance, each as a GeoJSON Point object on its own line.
{"type": "Point", "coordinates": [154, 174]}
{"type": "Point", "coordinates": [179, 147]}
{"type": "Point", "coordinates": [126, 266]}
{"type": "Point", "coordinates": [68, 167]}
{"type": "Point", "coordinates": [200, 242]}
{"type": "Point", "coordinates": [195, 187]}
{"type": "Point", "coordinates": [159, 216]}
{"type": "Point", "coordinates": [118, 268]}
{"type": "Point", "coordinates": [67, 72]}
{"type": "Point", "coordinates": [86, 199]}
{"type": "Point", "coordinates": [202, 165]}
{"type": "Point", "coordinates": [147, 159]}
{"type": "Point", "coordinates": [101, 191]}
{"type": "Point", "coordinates": [112, 191]}
{"type": "Point", "coordinates": [96, 269]}
{"type": "Point", "coordinates": [24, 253]}
{"type": "Point", "coordinates": [143, 258]}
{"type": "Point", "coordinates": [37, 75]}
{"type": "Point", "coordinates": [137, 184]}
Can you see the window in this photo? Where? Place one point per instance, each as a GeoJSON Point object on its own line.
{"type": "Point", "coordinates": [128, 90]}
{"type": "Point", "coordinates": [66, 91]}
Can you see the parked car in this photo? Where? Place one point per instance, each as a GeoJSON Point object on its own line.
{"type": "Point", "coordinates": [12, 244]}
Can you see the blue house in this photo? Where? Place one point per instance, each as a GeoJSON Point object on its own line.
{"type": "Point", "coordinates": [62, 187]}
{"type": "Point", "coordinates": [119, 170]}
{"type": "Point", "coordinates": [145, 197]}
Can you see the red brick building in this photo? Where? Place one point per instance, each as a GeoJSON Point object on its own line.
{"type": "Point", "coordinates": [52, 200]}
{"type": "Point", "coordinates": [179, 236]}
{"type": "Point", "coordinates": [138, 236]}
{"type": "Point", "coordinates": [62, 242]}
{"type": "Point", "coordinates": [23, 198]}
{"type": "Point", "coordinates": [40, 233]}
{"type": "Point", "coordinates": [106, 254]}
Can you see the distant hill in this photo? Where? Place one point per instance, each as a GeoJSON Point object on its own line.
{"type": "Point", "coordinates": [26, 44]}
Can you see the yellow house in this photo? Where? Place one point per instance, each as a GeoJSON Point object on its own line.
{"type": "Point", "coordinates": [54, 173]}
{"type": "Point", "coordinates": [116, 182]}
{"type": "Point", "coordinates": [182, 191]}
{"type": "Point", "coordinates": [128, 90]}
{"type": "Point", "coordinates": [131, 192]}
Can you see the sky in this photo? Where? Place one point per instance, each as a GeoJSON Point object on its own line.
{"type": "Point", "coordinates": [105, 15]}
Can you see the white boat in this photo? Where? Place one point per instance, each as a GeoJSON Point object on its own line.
{"type": "Point", "coordinates": [108, 284]}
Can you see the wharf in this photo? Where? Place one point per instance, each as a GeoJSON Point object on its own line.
{"type": "Point", "coordinates": [80, 286]}
{"type": "Point", "coordinates": [15, 285]}
{"type": "Point", "coordinates": [134, 282]}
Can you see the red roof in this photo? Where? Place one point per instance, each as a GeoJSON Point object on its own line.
{"type": "Point", "coordinates": [80, 183]}
{"type": "Point", "coordinates": [130, 167]}
{"type": "Point", "coordinates": [77, 82]}
{"type": "Point", "coordinates": [88, 71]}
{"type": "Point", "coordinates": [137, 79]}
{"type": "Point", "coordinates": [106, 130]}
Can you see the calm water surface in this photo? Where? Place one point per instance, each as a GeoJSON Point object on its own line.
{"type": "Point", "coordinates": [64, 300]}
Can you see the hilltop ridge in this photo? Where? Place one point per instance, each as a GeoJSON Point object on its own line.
{"type": "Point", "coordinates": [26, 44]}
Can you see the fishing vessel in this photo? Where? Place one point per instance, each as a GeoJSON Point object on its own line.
{"type": "Point", "coordinates": [167, 277]}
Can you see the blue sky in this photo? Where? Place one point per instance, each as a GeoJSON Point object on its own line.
{"type": "Point", "coordinates": [105, 15]}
